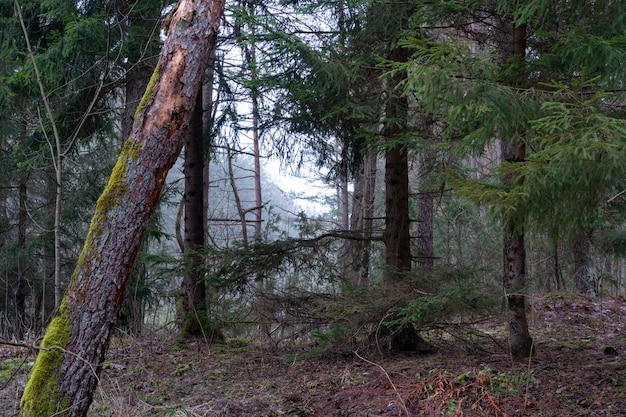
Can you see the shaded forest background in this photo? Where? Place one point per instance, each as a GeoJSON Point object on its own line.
{"type": "Point", "coordinates": [444, 132]}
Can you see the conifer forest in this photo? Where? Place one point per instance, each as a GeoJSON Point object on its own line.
{"type": "Point", "coordinates": [342, 208]}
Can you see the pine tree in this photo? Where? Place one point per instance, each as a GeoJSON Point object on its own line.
{"type": "Point", "coordinates": [499, 79]}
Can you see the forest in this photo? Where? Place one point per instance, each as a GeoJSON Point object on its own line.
{"type": "Point", "coordinates": [312, 208]}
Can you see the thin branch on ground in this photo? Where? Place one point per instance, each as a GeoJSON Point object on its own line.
{"type": "Point", "coordinates": [395, 389]}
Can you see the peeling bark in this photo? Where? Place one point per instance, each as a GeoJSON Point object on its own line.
{"type": "Point", "coordinates": [65, 377]}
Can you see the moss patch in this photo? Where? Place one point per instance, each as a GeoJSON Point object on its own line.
{"type": "Point", "coordinates": [41, 395]}
{"type": "Point", "coordinates": [148, 96]}
{"type": "Point", "coordinates": [110, 197]}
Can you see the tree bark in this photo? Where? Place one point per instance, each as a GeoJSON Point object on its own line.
{"type": "Point", "coordinates": [397, 237]}
{"type": "Point", "coordinates": [397, 234]}
{"type": "Point", "coordinates": [194, 287]}
{"type": "Point", "coordinates": [65, 374]}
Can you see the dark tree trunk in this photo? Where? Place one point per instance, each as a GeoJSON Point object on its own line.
{"type": "Point", "coordinates": [514, 251]}
{"type": "Point", "coordinates": [65, 375]}
{"type": "Point", "coordinates": [194, 287]}
{"type": "Point", "coordinates": [397, 237]}
{"type": "Point", "coordinates": [397, 225]}
{"type": "Point", "coordinates": [22, 289]}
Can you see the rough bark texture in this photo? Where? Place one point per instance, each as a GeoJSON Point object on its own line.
{"type": "Point", "coordinates": [397, 237]}
{"type": "Point", "coordinates": [397, 234]}
{"type": "Point", "coordinates": [194, 287]}
{"type": "Point", "coordinates": [514, 259]}
{"type": "Point", "coordinates": [65, 376]}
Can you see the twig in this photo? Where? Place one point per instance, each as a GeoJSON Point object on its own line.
{"type": "Point", "coordinates": [51, 348]}
{"type": "Point", "coordinates": [13, 375]}
{"type": "Point", "coordinates": [376, 335]}
{"type": "Point", "coordinates": [406, 410]}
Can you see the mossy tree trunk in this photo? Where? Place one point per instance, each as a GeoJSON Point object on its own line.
{"type": "Point", "coordinates": [66, 374]}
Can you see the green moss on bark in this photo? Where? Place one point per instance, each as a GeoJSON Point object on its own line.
{"type": "Point", "coordinates": [41, 396]}
{"type": "Point", "coordinates": [110, 198]}
{"type": "Point", "coordinates": [148, 96]}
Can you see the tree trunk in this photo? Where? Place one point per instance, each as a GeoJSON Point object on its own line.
{"type": "Point", "coordinates": [258, 192]}
{"type": "Point", "coordinates": [361, 221]}
{"type": "Point", "coordinates": [514, 252]}
{"type": "Point", "coordinates": [397, 237]}
{"type": "Point", "coordinates": [22, 289]}
{"type": "Point", "coordinates": [397, 226]}
{"type": "Point", "coordinates": [194, 287]}
{"type": "Point", "coordinates": [65, 375]}
{"type": "Point", "coordinates": [583, 270]}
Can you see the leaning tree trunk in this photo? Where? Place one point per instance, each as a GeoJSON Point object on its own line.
{"type": "Point", "coordinates": [66, 372]}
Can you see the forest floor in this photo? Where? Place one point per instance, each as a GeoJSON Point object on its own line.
{"type": "Point", "coordinates": [579, 370]}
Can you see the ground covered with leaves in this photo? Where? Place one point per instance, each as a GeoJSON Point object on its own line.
{"type": "Point", "coordinates": [579, 370]}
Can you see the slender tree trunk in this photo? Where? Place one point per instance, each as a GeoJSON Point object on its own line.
{"type": "Point", "coordinates": [58, 288]}
{"type": "Point", "coordinates": [558, 275]}
{"type": "Point", "coordinates": [22, 289]}
{"type": "Point", "coordinates": [194, 287]}
{"type": "Point", "coordinates": [341, 185]}
{"type": "Point", "coordinates": [258, 192]}
{"type": "Point", "coordinates": [65, 375]}
{"type": "Point", "coordinates": [514, 251]}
